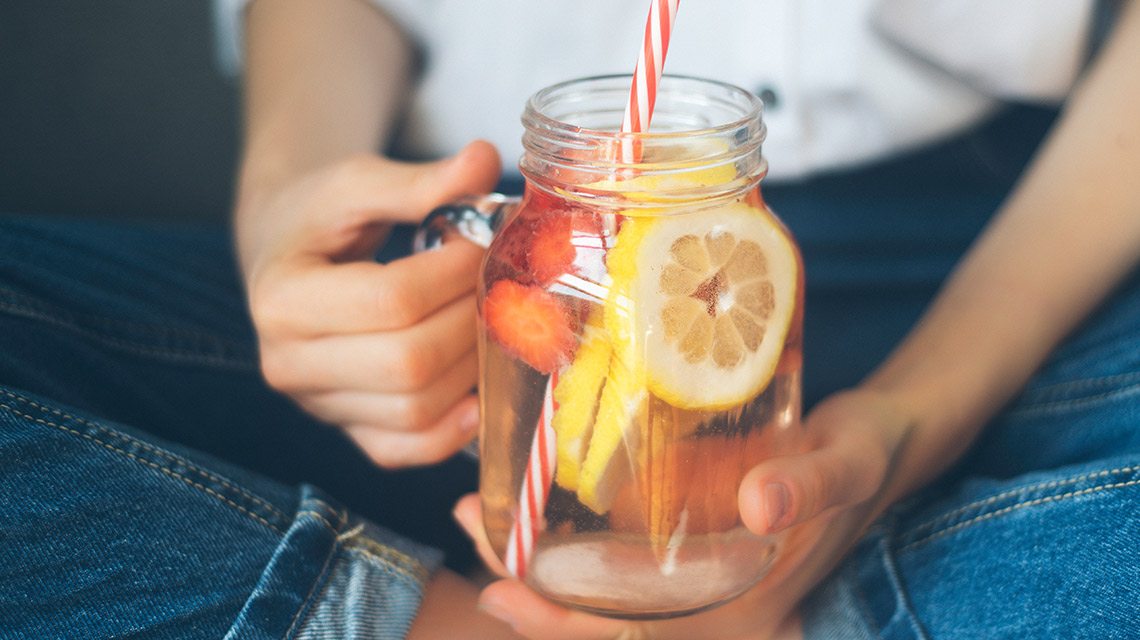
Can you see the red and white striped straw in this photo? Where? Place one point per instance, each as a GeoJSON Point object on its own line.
{"type": "Point", "coordinates": [647, 73]}
{"type": "Point", "coordinates": [530, 520]}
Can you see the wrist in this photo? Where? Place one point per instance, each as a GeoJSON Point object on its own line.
{"type": "Point", "coordinates": [253, 191]}
{"type": "Point", "coordinates": [933, 428]}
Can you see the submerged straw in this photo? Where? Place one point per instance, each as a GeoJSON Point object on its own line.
{"type": "Point", "coordinates": [535, 487]}
{"type": "Point", "coordinates": [530, 519]}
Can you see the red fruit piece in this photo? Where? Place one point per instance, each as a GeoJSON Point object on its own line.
{"type": "Point", "coordinates": [530, 323]}
{"type": "Point", "coordinates": [508, 254]}
{"type": "Point", "coordinates": [564, 240]}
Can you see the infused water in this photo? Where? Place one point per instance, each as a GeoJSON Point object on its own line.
{"type": "Point", "coordinates": [669, 339]}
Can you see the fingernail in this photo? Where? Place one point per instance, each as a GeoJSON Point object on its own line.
{"type": "Point", "coordinates": [776, 505]}
{"type": "Point", "coordinates": [495, 612]}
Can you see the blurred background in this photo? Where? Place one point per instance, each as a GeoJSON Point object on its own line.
{"type": "Point", "coordinates": [115, 108]}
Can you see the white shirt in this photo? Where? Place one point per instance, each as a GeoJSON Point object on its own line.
{"type": "Point", "coordinates": [848, 81]}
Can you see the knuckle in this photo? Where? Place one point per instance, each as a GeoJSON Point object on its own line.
{"type": "Point", "coordinates": [384, 456]}
{"type": "Point", "coordinates": [314, 407]}
{"type": "Point", "coordinates": [413, 413]}
{"type": "Point", "coordinates": [276, 370]}
{"type": "Point", "coordinates": [413, 366]}
{"type": "Point", "coordinates": [373, 442]}
{"type": "Point", "coordinates": [434, 448]}
{"type": "Point", "coordinates": [435, 455]}
{"type": "Point", "coordinates": [814, 489]}
{"type": "Point", "coordinates": [398, 302]}
{"type": "Point", "coordinates": [269, 310]}
{"type": "Point", "coordinates": [396, 454]}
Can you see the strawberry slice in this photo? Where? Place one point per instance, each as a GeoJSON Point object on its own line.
{"type": "Point", "coordinates": [530, 323]}
{"type": "Point", "coordinates": [565, 241]}
{"type": "Point", "coordinates": [508, 253]}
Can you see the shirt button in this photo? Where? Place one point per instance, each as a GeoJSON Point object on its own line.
{"type": "Point", "coordinates": [768, 94]}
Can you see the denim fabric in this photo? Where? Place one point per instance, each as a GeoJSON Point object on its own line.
{"type": "Point", "coordinates": [370, 590]}
{"type": "Point", "coordinates": [146, 325]}
{"type": "Point", "coordinates": [107, 532]}
{"type": "Point", "coordinates": [1036, 534]}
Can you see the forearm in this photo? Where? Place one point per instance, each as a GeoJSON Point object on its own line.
{"type": "Point", "coordinates": [323, 82]}
{"type": "Point", "coordinates": [1068, 234]}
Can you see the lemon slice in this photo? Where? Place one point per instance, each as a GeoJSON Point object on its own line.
{"type": "Point", "coordinates": [577, 397]}
{"type": "Point", "coordinates": [657, 187]}
{"type": "Point", "coordinates": [661, 186]}
{"type": "Point", "coordinates": [607, 465]}
{"type": "Point", "coordinates": [701, 302]}
{"type": "Point", "coordinates": [619, 311]}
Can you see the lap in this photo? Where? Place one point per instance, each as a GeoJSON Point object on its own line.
{"type": "Point", "coordinates": [109, 532]}
{"type": "Point", "coordinates": [1034, 533]}
{"type": "Point", "coordinates": [146, 325]}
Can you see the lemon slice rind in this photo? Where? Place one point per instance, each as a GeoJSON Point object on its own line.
{"type": "Point", "coordinates": [633, 311]}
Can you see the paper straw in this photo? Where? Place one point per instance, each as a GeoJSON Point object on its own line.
{"type": "Point", "coordinates": [530, 520]}
{"type": "Point", "coordinates": [647, 73]}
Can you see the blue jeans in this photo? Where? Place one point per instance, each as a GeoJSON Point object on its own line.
{"type": "Point", "coordinates": [128, 371]}
{"type": "Point", "coordinates": [200, 519]}
{"type": "Point", "coordinates": [147, 326]}
{"type": "Point", "coordinates": [110, 533]}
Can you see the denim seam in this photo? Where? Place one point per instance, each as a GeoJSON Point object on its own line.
{"type": "Point", "coordinates": [1015, 507]}
{"type": "Point", "coordinates": [318, 586]}
{"type": "Point", "coordinates": [1032, 409]}
{"type": "Point", "coordinates": [415, 579]}
{"type": "Point", "coordinates": [241, 364]}
{"type": "Point", "coordinates": [350, 533]}
{"type": "Point", "coordinates": [334, 518]}
{"type": "Point", "coordinates": [397, 560]}
{"type": "Point", "coordinates": [151, 449]}
{"type": "Point", "coordinates": [865, 609]}
{"type": "Point", "coordinates": [935, 522]}
{"type": "Point", "coordinates": [900, 593]}
{"type": "Point", "coordinates": [22, 302]}
{"type": "Point", "coordinates": [870, 620]}
{"type": "Point", "coordinates": [319, 516]}
{"type": "Point", "coordinates": [148, 463]}
{"type": "Point", "coordinates": [1061, 387]}
{"type": "Point", "coordinates": [382, 551]}
{"type": "Point", "coordinates": [856, 588]}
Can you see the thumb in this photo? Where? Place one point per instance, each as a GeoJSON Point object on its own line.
{"type": "Point", "coordinates": [412, 190]}
{"type": "Point", "coordinates": [786, 491]}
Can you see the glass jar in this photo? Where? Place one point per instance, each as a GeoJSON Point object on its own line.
{"type": "Point", "coordinates": [640, 350]}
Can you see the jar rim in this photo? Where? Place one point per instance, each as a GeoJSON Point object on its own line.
{"type": "Point", "coordinates": [535, 105]}
{"type": "Point", "coordinates": [573, 146]}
